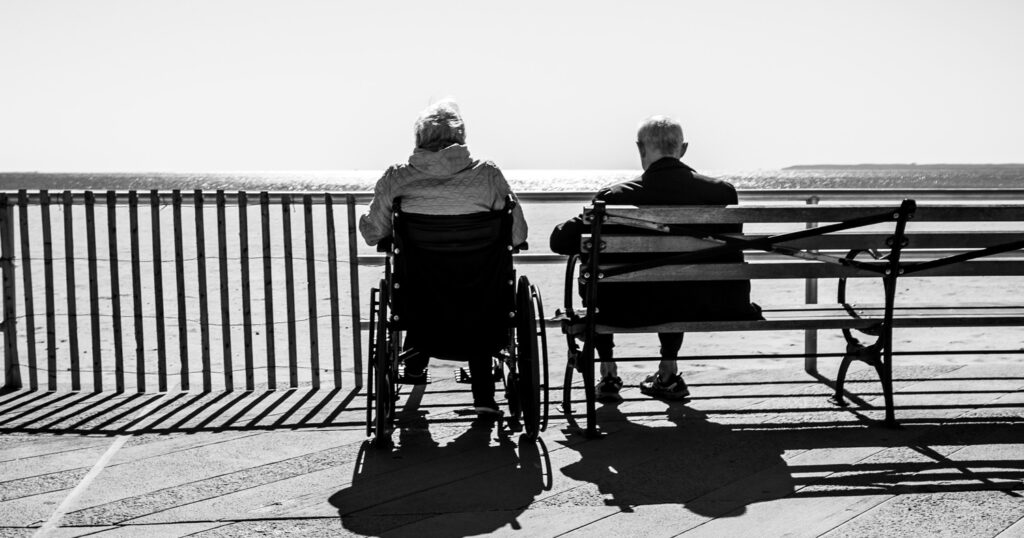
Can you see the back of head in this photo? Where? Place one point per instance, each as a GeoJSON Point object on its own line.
{"type": "Point", "coordinates": [661, 134]}
{"type": "Point", "coordinates": [439, 126]}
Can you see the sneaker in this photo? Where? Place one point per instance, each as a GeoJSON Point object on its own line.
{"type": "Point", "coordinates": [674, 388]}
{"type": "Point", "coordinates": [608, 389]}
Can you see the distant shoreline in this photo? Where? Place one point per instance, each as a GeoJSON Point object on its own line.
{"type": "Point", "coordinates": [902, 166]}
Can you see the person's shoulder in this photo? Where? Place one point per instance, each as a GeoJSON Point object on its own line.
{"type": "Point", "coordinates": [713, 183]}
{"type": "Point", "coordinates": [625, 188]}
{"type": "Point", "coordinates": [488, 168]}
{"type": "Point", "coordinates": [397, 170]}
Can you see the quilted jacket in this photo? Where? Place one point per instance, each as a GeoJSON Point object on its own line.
{"type": "Point", "coordinates": [445, 182]}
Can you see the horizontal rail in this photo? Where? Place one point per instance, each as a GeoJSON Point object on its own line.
{"type": "Point", "coordinates": [120, 197]}
{"type": "Point", "coordinates": [778, 195]}
{"type": "Point", "coordinates": [542, 197]}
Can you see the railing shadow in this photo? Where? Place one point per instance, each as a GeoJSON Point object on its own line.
{"type": "Point", "coordinates": [112, 413]}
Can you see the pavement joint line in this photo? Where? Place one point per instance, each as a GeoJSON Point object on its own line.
{"type": "Point", "coordinates": [889, 497]}
{"type": "Point", "coordinates": [53, 522]}
{"type": "Point", "coordinates": [1010, 528]}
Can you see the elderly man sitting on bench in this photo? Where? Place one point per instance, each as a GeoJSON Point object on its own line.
{"type": "Point", "coordinates": [666, 181]}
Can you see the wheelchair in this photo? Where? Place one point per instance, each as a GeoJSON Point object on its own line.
{"type": "Point", "coordinates": [449, 280]}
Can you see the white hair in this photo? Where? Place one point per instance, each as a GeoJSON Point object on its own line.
{"type": "Point", "coordinates": [660, 133]}
{"type": "Point", "coordinates": [440, 125]}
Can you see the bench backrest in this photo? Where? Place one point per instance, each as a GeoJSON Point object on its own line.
{"type": "Point", "coordinates": [807, 254]}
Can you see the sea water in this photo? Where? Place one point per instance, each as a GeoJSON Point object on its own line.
{"type": "Point", "coordinates": [879, 176]}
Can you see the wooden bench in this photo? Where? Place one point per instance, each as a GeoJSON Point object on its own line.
{"type": "Point", "coordinates": [875, 241]}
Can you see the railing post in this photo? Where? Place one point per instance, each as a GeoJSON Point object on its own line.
{"type": "Point", "coordinates": [811, 297]}
{"type": "Point", "coordinates": [353, 273]}
{"type": "Point", "coordinates": [12, 369]}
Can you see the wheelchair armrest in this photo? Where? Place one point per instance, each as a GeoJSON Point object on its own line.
{"type": "Point", "coordinates": [570, 280]}
{"type": "Point", "coordinates": [384, 245]}
{"type": "Point", "coordinates": [521, 246]}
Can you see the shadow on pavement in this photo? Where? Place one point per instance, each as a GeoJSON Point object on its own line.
{"type": "Point", "coordinates": [477, 482]}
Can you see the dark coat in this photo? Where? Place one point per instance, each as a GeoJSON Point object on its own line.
{"type": "Point", "coordinates": [666, 182]}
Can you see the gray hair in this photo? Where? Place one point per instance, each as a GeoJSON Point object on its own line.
{"type": "Point", "coordinates": [439, 126]}
{"type": "Point", "coordinates": [660, 133]}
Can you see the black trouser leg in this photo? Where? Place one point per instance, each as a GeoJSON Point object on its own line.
{"type": "Point", "coordinates": [482, 382]}
{"type": "Point", "coordinates": [671, 343]}
{"type": "Point", "coordinates": [603, 344]}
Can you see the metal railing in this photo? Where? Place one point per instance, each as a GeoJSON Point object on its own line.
{"type": "Point", "coordinates": [158, 333]}
{"type": "Point", "coordinates": [169, 261]}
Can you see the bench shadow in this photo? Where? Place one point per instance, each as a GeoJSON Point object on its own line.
{"type": "Point", "coordinates": [716, 470]}
{"type": "Point", "coordinates": [443, 484]}
{"type": "Point", "coordinates": [680, 462]}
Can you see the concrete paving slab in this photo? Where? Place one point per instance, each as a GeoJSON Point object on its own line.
{"type": "Point", "coordinates": [756, 448]}
{"type": "Point", "coordinates": [30, 510]}
{"type": "Point", "coordinates": [1014, 531]}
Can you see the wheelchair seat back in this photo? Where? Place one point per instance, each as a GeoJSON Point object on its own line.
{"type": "Point", "coordinates": [453, 283]}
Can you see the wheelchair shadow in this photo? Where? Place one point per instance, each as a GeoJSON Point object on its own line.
{"type": "Point", "coordinates": [679, 464]}
{"type": "Point", "coordinates": [443, 480]}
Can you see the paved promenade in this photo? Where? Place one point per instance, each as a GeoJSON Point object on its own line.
{"type": "Point", "coordinates": [757, 452]}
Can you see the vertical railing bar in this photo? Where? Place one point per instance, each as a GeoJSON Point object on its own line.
{"type": "Point", "coordinates": [51, 326]}
{"type": "Point", "coordinates": [140, 349]}
{"type": "Point", "coordinates": [179, 276]}
{"type": "Point", "coordinates": [115, 291]}
{"type": "Point", "coordinates": [314, 344]}
{"type": "Point", "coordinates": [353, 274]}
{"type": "Point", "coordinates": [12, 368]}
{"type": "Point", "coordinates": [289, 277]}
{"type": "Point", "coordinates": [26, 273]}
{"type": "Point", "coordinates": [69, 264]}
{"type": "Point", "coordinates": [94, 292]}
{"type": "Point", "coordinates": [225, 301]}
{"type": "Point", "coordinates": [811, 297]}
{"type": "Point", "coordinates": [332, 268]}
{"type": "Point", "coordinates": [243, 241]}
{"type": "Point", "coordinates": [268, 290]}
{"type": "Point", "coordinates": [158, 288]}
{"type": "Point", "coordinates": [204, 313]}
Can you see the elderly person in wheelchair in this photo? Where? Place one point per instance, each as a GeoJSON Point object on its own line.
{"type": "Point", "coordinates": [449, 224]}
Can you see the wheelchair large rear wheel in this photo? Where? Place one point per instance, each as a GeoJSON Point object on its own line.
{"type": "Point", "coordinates": [531, 358]}
{"type": "Point", "coordinates": [371, 356]}
{"type": "Point", "coordinates": [384, 364]}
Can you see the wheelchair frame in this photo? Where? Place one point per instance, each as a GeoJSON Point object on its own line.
{"type": "Point", "coordinates": [524, 362]}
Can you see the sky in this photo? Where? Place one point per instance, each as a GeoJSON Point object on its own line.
{"type": "Point", "coordinates": [225, 85]}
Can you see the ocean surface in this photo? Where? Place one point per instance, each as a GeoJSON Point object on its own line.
{"type": "Point", "coordinates": [808, 176]}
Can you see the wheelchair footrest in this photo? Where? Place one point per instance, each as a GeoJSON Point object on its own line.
{"type": "Point", "coordinates": [462, 375]}
{"type": "Point", "coordinates": [404, 379]}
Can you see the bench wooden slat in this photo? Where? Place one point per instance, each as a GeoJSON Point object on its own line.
{"type": "Point", "coordinates": [736, 214]}
{"type": "Point", "coordinates": [741, 271]}
{"type": "Point", "coordinates": [969, 213]}
{"type": "Point", "coordinates": [782, 213]}
{"type": "Point", "coordinates": [830, 242]}
{"type": "Point", "coordinates": [991, 266]}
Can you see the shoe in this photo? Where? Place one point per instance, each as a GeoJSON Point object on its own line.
{"type": "Point", "coordinates": [674, 388]}
{"type": "Point", "coordinates": [608, 389]}
{"type": "Point", "coordinates": [487, 409]}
